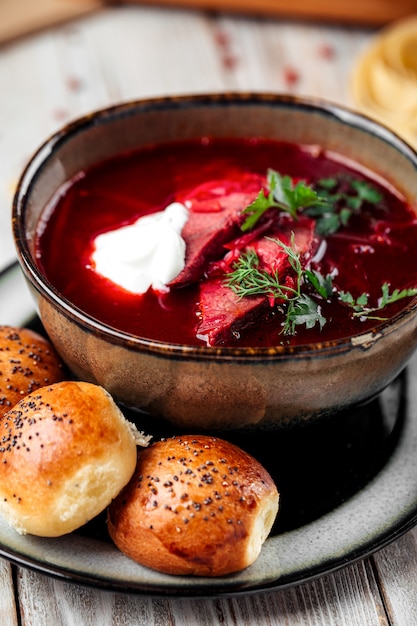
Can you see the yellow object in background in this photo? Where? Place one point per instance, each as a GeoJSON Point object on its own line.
{"type": "Point", "coordinates": [384, 81]}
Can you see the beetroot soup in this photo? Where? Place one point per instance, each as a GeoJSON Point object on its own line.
{"type": "Point", "coordinates": [244, 243]}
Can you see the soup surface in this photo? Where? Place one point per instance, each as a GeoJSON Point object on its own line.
{"type": "Point", "coordinates": [332, 256]}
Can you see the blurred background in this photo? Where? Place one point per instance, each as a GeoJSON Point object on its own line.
{"type": "Point", "coordinates": [61, 59]}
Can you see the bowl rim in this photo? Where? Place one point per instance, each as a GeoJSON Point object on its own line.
{"type": "Point", "coordinates": [34, 276]}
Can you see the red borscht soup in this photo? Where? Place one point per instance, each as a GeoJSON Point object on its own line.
{"type": "Point", "coordinates": [283, 244]}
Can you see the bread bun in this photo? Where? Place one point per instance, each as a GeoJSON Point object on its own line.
{"type": "Point", "coordinates": [27, 362]}
{"type": "Point", "coordinates": [66, 450]}
{"type": "Point", "coordinates": [195, 505]}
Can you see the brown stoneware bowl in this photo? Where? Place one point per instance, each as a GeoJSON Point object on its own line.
{"type": "Point", "coordinates": [209, 387]}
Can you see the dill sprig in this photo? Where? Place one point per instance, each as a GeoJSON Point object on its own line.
{"type": "Point", "coordinates": [300, 304]}
{"type": "Point", "coordinates": [248, 279]}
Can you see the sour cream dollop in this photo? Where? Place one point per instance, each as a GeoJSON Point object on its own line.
{"type": "Point", "coordinates": [148, 253]}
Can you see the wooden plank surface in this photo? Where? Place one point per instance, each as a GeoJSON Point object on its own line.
{"type": "Point", "coordinates": [127, 52]}
{"type": "Point", "coordinates": [396, 568]}
{"type": "Point", "coordinates": [7, 597]}
{"type": "Point", "coordinates": [348, 597]}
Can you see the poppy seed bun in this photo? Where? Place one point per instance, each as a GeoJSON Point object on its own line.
{"type": "Point", "coordinates": [195, 505]}
{"type": "Point", "coordinates": [65, 451]}
{"type": "Point", "coordinates": [27, 362]}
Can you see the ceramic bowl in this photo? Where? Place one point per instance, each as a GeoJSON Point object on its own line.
{"type": "Point", "coordinates": [206, 387]}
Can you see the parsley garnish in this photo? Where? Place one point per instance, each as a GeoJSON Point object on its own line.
{"type": "Point", "coordinates": [302, 310]}
{"type": "Point", "coordinates": [284, 195]}
{"type": "Point", "coordinates": [360, 305]}
{"type": "Point", "coordinates": [343, 199]}
{"type": "Point", "coordinates": [331, 202]}
{"type": "Point", "coordinates": [323, 285]}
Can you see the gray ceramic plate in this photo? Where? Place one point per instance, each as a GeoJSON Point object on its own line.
{"type": "Point", "coordinates": [348, 487]}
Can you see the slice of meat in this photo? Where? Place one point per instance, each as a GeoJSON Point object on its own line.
{"type": "Point", "coordinates": [215, 218]}
{"type": "Point", "coordinates": [222, 312]}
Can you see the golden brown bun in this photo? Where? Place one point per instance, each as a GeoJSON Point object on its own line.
{"type": "Point", "coordinates": [195, 505]}
{"type": "Point", "coordinates": [27, 362]}
{"type": "Point", "coordinates": [66, 450]}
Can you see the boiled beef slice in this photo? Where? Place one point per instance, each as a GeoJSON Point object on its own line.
{"type": "Point", "coordinates": [222, 312]}
{"type": "Point", "coordinates": [215, 216]}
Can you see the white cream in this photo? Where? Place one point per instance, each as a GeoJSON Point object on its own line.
{"type": "Point", "coordinates": [148, 253]}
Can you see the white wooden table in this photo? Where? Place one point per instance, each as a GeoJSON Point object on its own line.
{"type": "Point", "coordinates": [122, 53]}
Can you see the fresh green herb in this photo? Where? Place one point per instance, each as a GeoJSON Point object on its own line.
{"type": "Point", "coordinates": [343, 199]}
{"type": "Point", "coordinates": [248, 279]}
{"type": "Point", "coordinates": [323, 285]}
{"type": "Point", "coordinates": [284, 195]}
{"type": "Point", "coordinates": [302, 310]}
{"type": "Point", "coordinates": [357, 304]}
{"type": "Point", "coordinates": [331, 201]}
{"type": "Point", "coordinates": [365, 192]}
{"type": "Point", "coordinates": [360, 305]}
{"type": "Point", "coordinates": [298, 306]}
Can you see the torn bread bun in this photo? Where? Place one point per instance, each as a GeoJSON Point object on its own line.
{"type": "Point", "coordinates": [195, 505]}
{"type": "Point", "coordinates": [66, 450]}
{"type": "Point", "coordinates": [27, 361]}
